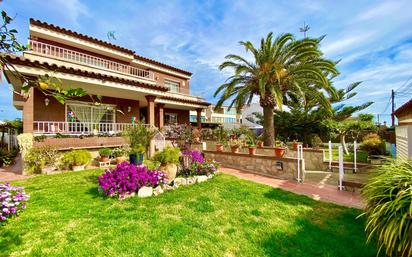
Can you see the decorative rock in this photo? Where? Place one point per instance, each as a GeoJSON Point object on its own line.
{"type": "Point", "coordinates": [201, 179]}
{"type": "Point", "coordinates": [124, 196]}
{"type": "Point", "coordinates": [180, 181]}
{"type": "Point", "coordinates": [210, 176]}
{"type": "Point", "coordinates": [167, 187]}
{"type": "Point", "coordinates": [145, 192]}
{"type": "Point", "coordinates": [190, 181]}
{"type": "Point", "coordinates": [158, 190]}
{"type": "Point", "coordinates": [170, 171]}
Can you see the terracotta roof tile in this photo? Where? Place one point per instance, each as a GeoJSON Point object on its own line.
{"type": "Point", "coordinates": [21, 60]}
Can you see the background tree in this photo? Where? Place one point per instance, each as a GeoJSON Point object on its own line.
{"type": "Point", "coordinates": [279, 68]}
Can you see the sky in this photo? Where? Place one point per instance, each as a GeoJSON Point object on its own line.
{"type": "Point", "coordinates": [373, 39]}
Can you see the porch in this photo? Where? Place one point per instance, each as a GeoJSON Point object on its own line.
{"type": "Point", "coordinates": [43, 115]}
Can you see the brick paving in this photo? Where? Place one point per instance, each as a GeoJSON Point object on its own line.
{"type": "Point", "coordinates": [13, 172]}
{"type": "Point", "coordinates": [317, 191]}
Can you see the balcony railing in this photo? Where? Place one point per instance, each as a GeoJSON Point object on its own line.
{"type": "Point", "coordinates": [82, 58]}
{"type": "Point", "coordinates": [78, 128]}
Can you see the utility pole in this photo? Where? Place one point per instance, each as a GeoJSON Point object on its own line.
{"type": "Point", "coordinates": [393, 108]}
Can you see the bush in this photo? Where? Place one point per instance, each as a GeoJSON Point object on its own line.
{"type": "Point", "coordinates": [38, 158]}
{"type": "Point", "coordinates": [373, 144]}
{"type": "Point", "coordinates": [77, 158]}
{"type": "Point", "coordinates": [128, 178]}
{"type": "Point", "coordinates": [169, 155]}
{"type": "Point", "coordinates": [119, 152]}
{"type": "Point", "coordinates": [140, 135]}
{"type": "Point", "coordinates": [12, 201]}
{"type": "Point", "coordinates": [105, 152]}
{"type": "Point", "coordinates": [389, 208]}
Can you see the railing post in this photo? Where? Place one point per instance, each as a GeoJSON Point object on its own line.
{"type": "Point", "coordinates": [341, 170]}
{"type": "Point", "coordinates": [330, 155]}
{"type": "Point", "coordinates": [355, 149]}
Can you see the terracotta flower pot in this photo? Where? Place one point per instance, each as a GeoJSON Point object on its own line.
{"type": "Point", "coordinates": [260, 144]}
{"type": "Point", "coordinates": [280, 151]}
{"type": "Point", "coordinates": [120, 159]}
{"type": "Point", "coordinates": [104, 158]}
{"type": "Point", "coordinates": [252, 150]}
{"type": "Point", "coordinates": [234, 149]}
{"type": "Point", "coordinates": [219, 148]}
{"type": "Point", "coordinates": [295, 146]}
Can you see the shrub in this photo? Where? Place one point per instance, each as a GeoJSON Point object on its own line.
{"type": "Point", "coordinates": [77, 158]}
{"type": "Point", "coordinates": [38, 158]}
{"type": "Point", "coordinates": [316, 141]}
{"type": "Point", "coordinates": [12, 201]}
{"type": "Point", "coordinates": [106, 152]}
{"type": "Point", "coordinates": [127, 178]}
{"type": "Point", "coordinates": [119, 152]}
{"type": "Point", "coordinates": [373, 144]}
{"type": "Point", "coordinates": [140, 135]}
{"type": "Point", "coordinates": [389, 208]}
{"type": "Point", "coordinates": [169, 155]}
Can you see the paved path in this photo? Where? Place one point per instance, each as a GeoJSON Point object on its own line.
{"type": "Point", "coordinates": [13, 172]}
{"type": "Point", "coordinates": [317, 191]}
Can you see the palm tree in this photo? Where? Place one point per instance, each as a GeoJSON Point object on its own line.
{"type": "Point", "coordinates": [279, 68]}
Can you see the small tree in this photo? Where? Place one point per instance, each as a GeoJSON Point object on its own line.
{"type": "Point", "coordinates": [354, 127]}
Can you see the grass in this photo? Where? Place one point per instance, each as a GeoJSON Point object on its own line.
{"type": "Point", "coordinates": [225, 216]}
{"type": "Point", "coordinates": [362, 156]}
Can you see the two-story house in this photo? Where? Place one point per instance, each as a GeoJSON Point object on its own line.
{"type": "Point", "coordinates": [132, 87]}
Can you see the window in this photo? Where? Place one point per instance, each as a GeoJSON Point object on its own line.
{"type": "Point", "coordinates": [170, 118]}
{"type": "Point", "coordinates": [193, 118]}
{"type": "Point", "coordinates": [230, 120]}
{"type": "Point", "coordinates": [173, 86]}
{"type": "Point", "coordinates": [85, 118]}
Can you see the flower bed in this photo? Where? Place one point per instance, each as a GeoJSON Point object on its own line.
{"type": "Point", "coordinates": [13, 200]}
{"type": "Point", "coordinates": [128, 179]}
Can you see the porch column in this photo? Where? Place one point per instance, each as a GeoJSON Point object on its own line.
{"type": "Point", "coordinates": [161, 115]}
{"type": "Point", "coordinates": [151, 109]}
{"type": "Point", "coordinates": [28, 112]}
{"type": "Point", "coordinates": [199, 117]}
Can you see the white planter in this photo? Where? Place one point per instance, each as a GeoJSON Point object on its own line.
{"type": "Point", "coordinates": [145, 192]}
{"type": "Point", "coordinates": [78, 168]}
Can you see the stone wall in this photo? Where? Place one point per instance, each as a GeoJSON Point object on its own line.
{"type": "Point", "coordinates": [313, 157]}
{"type": "Point", "coordinates": [259, 164]}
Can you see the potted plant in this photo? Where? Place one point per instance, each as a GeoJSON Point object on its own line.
{"type": "Point", "coordinates": [295, 144]}
{"type": "Point", "coordinates": [104, 154]}
{"type": "Point", "coordinates": [168, 159]}
{"type": "Point", "coordinates": [251, 145]}
{"type": "Point", "coordinates": [119, 153]}
{"type": "Point", "coordinates": [220, 135]}
{"type": "Point", "coordinates": [139, 137]}
{"type": "Point", "coordinates": [235, 144]}
{"type": "Point", "coordinates": [77, 159]}
{"type": "Point", "coordinates": [260, 141]}
{"type": "Point", "coordinates": [280, 149]}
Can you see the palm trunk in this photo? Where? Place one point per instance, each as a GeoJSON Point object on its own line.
{"type": "Point", "coordinates": [268, 126]}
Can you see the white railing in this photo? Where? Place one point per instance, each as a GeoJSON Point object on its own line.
{"type": "Point", "coordinates": [82, 58]}
{"type": "Point", "coordinates": [78, 128]}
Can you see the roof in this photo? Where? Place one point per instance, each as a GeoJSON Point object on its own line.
{"type": "Point", "coordinates": [103, 43]}
{"type": "Point", "coordinates": [21, 60]}
{"type": "Point", "coordinates": [405, 107]}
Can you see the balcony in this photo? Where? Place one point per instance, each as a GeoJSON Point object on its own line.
{"type": "Point", "coordinates": [89, 60]}
{"type": "Point", "coordinates": [78, 128]}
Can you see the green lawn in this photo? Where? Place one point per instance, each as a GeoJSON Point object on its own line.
{"type": "Point", "coordinates": [361, 156]}
{"type": "Point", "coordinates": [224, 216]}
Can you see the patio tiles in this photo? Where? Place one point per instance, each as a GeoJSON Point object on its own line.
{"type": "Point", "coordinates": [317, 191]}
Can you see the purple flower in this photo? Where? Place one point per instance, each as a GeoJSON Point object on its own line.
{"type": "Point", "coordinates": [127, 178]}
{"type": "Point", "coordinates": [195, 156]}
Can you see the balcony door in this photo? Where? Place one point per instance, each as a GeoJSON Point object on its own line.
{"type": "Point", "coordinates": [87, 118]}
